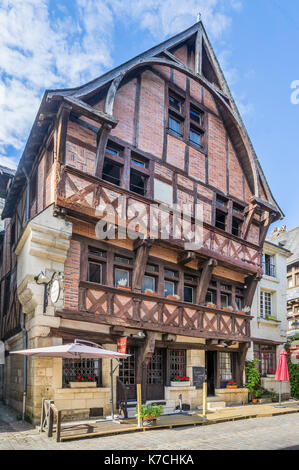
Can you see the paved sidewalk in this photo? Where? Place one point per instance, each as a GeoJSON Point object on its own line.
{"type": "Point", "coordinates": [279, 432]}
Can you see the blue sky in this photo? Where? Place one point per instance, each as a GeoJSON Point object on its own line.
{"type": "Point", "coordinates": [56, 43]}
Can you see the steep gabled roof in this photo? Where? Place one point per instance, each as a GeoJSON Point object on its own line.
{"type": "Point", "coordinates": [159, 55]}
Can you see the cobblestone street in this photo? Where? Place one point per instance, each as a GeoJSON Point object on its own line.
{"type": "Point", "coordinates": [280, 432]}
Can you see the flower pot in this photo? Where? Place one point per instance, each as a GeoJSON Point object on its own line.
{"type": "Point", "coordinates": [271, 376]}
{"type": "Point", "coordinates": [150, 293]}
{"type": "Point", "coordinates": [241, 312]}
{"type": "Point", "coordinates": [226, 309]}
{"type": "Point", "coordinates": [232, 386]}
{"type": "Point", "coordinates": [211, 306]}
{"type": "Point", "coordinates": [171, 297]}
{"type": "Point", "coordinates": [254, 400]}
{"type": "Point", "coordinates": [149, 421]}
{"type": "Point", "coordinates": [83, 384]}
{"type": "Point", "coordinates": [180, 383]}
{"type": "Point", "coordinates": [124, 288]}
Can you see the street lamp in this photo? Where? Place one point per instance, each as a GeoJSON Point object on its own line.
{"type": "Point", "coordinates": [41, 279]}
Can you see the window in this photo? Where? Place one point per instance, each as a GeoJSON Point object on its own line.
{"type": "Point", "coordinates": [297, 279]}
{"type": "Point", "coordinates": [121, 259]}
{"type": "Point", "coordinates": [265, 304]}
{"type": "Point", "coordinates": [170, 273]}
{"type": "Point", "coordinates": [211, 297]}
{"type": "Point", "coordinates": [290, 282]}
{"type": "Point", "coordinates": [220, 221]}
{"type": "Point", "coordinates": [224, 300]}
{"type": "Point", "coordinates": [268, 265]}
{"type": "Point", "coordinates": [175, 102]}
{"type": "Point", "coordinates": [169, 288]}
{"type": "Point", "coordinates": [177, 363]}
{"type": "Point", "coordinates": [239, 302]}
{"type": "Point", "coordinates": [121, 277]}
{"type": "Point", "coordinates": [96, 265]}
{"type": "Point", "coordinates": [174, 125]}
{"type": "Point", "coordinates": [95, 273]}
{"type": "Point", "coordinates": [188, 294]}
{"type": "Point", "coordinates": [111, 172]}
{"type": "Point", "coordinates": [163, 192]}
{"type": "Point", "coordinates": [267, 355]}
{"type": "Point", "coordinates": [195, 115]}
{"type": "Point", "coordinates": [225, 364]}
{"type": "Point", "coordinates": [72, 368]}
{"type": "Point", "coordinates": [138, 183]}
{"type": "Point", "coordinates": [127, 367]}
{"type": "Point", "coordinates": [236, 227]}
{"type": "Point", "coordinates": [148, 283]}
{"type": "Point", "coordinates": [195, 137]}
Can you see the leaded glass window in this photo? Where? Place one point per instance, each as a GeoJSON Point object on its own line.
{"type": "Point", "coordinates": [72, 368]}
{"type": "Point", "coordinates": [177, 363]}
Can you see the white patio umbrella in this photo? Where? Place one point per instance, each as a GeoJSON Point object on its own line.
{"type": "Point", "coordinates": [77, 350]}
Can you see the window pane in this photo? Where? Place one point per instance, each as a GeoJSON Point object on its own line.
{"type": "Point", "coordinates": [111, 173]}
{"type": "Point", "coordinates": [211, 297]}
{"type": "Point", "coordinates": [236, 225]}
{"type": "Point", "coordinates": [168, 288]}
{"type": "Point", "coordinates": [195, 115]}
{"type": "Point", "coordinates": [195, 137]}
{"type": "Point", "coordinates": [225, 367]}
{"type": "Point", "coordinates": [174, 102]}
{"type": "Point", "coordinates": [148, 283]}
{"type": "Point", "coordinates": [177, 363]}
{"type": "Point", "coordinates": [120, 259]}
{"type": "Point", "coordinates": [137, 183]}
{"type": "Point", "coordinates": [239, 303]}
{"type": "Point", "coordinates": [220, 220]}
{"type": "Point", "coordinates": [174, 125]}
{"type": "Point", "coordinates": [168, 272]}
{"type": "Point", "coordinates": [122, 277]}
{"type": "Point", "coordinates": [188, 294]}
{"type": "Point", "coordinates": [95, 273]}
{"type": "Point", "coordinates": [72, 368]}
{"type": "Point", "coordinates": [224, 300]}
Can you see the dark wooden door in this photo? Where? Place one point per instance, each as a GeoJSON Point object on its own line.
{"type": "Point", "coordinates": [211, 364]}
{"type": "Point", "coordinates": [156, 372]}
{"type": "Point", "coordinates": [127, 373]}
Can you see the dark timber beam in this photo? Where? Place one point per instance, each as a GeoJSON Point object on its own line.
{"type": "Point", "coordinates": [248, 221]}
{"type": "Point", "coordinates": [142, 248]}
{"type": "Point", "coordinates": [241, 358]}
{"type": "Point", "coordinates": [205, 280]}
{"type": "Point", "coordinates": [251, 285]}
{"type": "Point", "coordinates": [90, 112]}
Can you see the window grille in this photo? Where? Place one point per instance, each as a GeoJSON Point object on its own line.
{"type": "Point", "coordinates": [72, 368]}
{"type": "Point", "coordinates": [177, 363]}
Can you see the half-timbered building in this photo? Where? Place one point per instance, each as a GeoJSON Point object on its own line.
{"type": "Point", "coordinates": [161, 129]}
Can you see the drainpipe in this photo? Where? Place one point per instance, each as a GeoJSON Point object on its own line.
{"type": "Point", "coordinates": [27, 194]}
{"type": "Point", "coordinates": [25, 344]}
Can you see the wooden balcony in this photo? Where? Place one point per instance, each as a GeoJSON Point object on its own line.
{"type": "Point", "coordinates": [84, 194]}
{"type": "Point", "coordinates": [112, 306]}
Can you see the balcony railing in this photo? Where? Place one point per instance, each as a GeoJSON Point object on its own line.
{"type": "Point", "coordinates": [269, 269]}
{"type": "Point", "coordinates": [103, 304]}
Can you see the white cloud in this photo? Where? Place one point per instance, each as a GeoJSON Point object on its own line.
{"type": "Point", "coordinates": [44, 48]}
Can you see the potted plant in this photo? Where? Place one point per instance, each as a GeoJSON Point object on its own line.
{"type": "Point", "coordinates": [228, 309]}
{"type": "Point", "coordinates": [83, 382]}
{"type": "Point", "coordinates": [271, 374]}
{"type": "Point", "coordinates": [150, 292]}
{"type": "Point", "coordinates": [149, 413]}
{"type": "Point", "coordinates": [274, 396]}
{"type": "Point", "coordinates": [257, 393]}
{"type": "Point", "coordinates": [211, 305]}
{"type": "Point", "coordinates": [173, 297]}
{"type": "Point", "coordinates": [180, 381]}
{"type": "Point", "coordinates": [253, 376]}
{"type": "Point", "coordinates": [122, 284]}
{"type": "Point", "coordinates": [232, 384]}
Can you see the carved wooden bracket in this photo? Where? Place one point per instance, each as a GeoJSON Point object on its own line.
{"type": "Point", "coordinates": [251, 285]}
{"type": "Point", "coordinates": [186, 257]}
{"type": "Point", "coordinates": [205, 280]}
{"type": "Point", "coordinates": [142, 248]}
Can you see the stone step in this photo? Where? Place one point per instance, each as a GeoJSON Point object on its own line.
{"type": "Point", "coordinates": [216, 405]}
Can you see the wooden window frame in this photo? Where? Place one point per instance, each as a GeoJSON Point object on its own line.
{"type": "Point", "coordinates": [227, 206]}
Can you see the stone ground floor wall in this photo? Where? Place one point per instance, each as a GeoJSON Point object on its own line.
{"type": "Point", "coordinates": [272, 385]}
{"type": "Point", "coordinates": [44, 379]}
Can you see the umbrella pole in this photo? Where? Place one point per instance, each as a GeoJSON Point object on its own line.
{"type": "Point", "coordinates": [112, 394]}
{"type": "Point", "coordinates": [280, 393]}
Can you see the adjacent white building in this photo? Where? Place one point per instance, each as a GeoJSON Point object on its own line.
{"type": "Point", "coordinates": [269, 309]}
